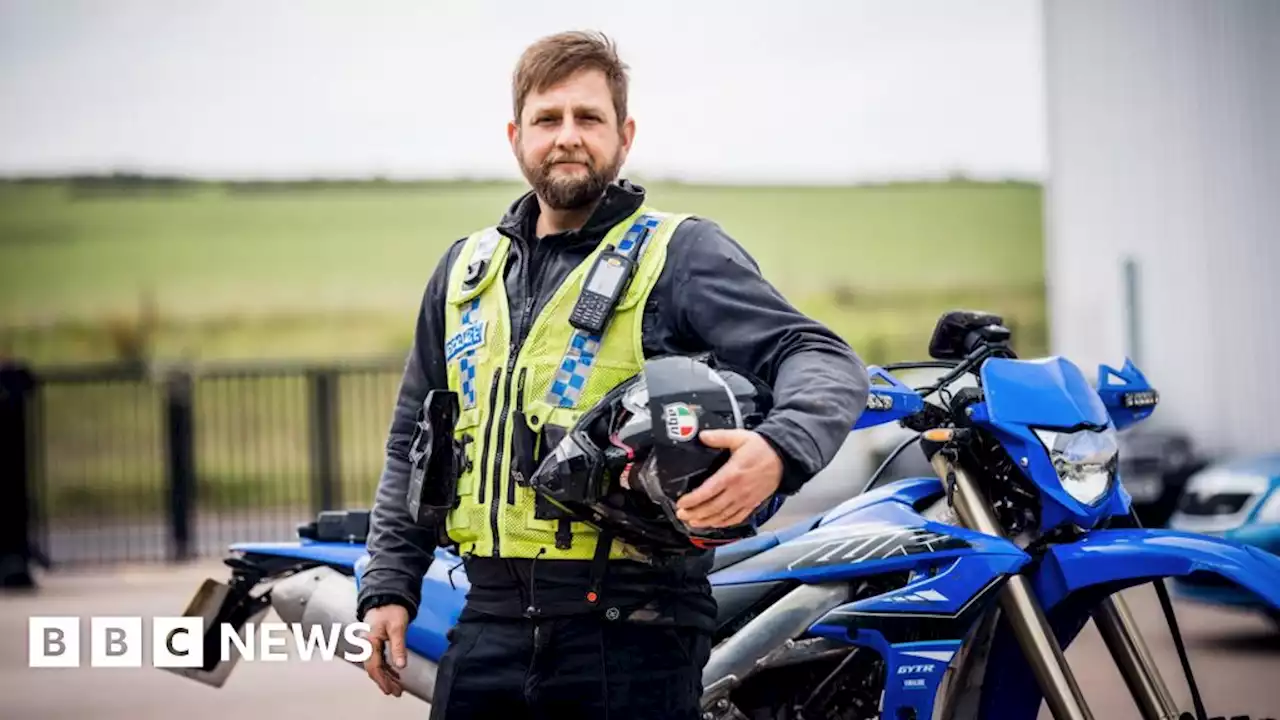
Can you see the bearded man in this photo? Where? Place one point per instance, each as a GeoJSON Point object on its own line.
{"type": "Point", "coordinates": [559, 622]}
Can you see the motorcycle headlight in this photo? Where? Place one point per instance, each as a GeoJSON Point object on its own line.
{"type": "Point", "coordinates": [1085, 461]}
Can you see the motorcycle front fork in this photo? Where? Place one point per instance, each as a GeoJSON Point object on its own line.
{"type": "Point", "coordinates": [1037, 640]}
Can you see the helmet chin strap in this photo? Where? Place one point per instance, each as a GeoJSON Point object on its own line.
{"type": "Point", "coordinates": [624, 477]}
{"type": "Point", "coordinates": [615, 441]}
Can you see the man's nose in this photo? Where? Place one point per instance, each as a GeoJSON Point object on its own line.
{"type": "Point", "coordinates": [569, 136]}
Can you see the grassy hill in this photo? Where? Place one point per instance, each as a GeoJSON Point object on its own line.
{"type": "Point", "coordinates": [91, 269]}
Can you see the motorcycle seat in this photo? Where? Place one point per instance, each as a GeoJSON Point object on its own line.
{"type": "Point", "coordinates": [736, 552]}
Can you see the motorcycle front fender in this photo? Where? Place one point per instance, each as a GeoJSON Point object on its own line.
{"type": "Point", "coordinates": [1123, 558]}
{"type": "Point", "coordinates": [1071, 578]}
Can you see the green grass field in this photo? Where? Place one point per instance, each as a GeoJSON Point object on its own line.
{"type": "Point", "coordinates": [226, 272]}
{"type": "Point", "coordinates": [236, 272]}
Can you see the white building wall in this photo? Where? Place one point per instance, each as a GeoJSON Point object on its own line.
{"type": "Point", "coordinates": [1164, 146]}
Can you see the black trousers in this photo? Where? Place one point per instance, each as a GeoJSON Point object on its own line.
{"type": "Point", "coordinates": [578, 667]}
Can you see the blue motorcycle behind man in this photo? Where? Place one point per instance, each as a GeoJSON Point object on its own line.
{"type": "Point", "coordinates": [950, 597]}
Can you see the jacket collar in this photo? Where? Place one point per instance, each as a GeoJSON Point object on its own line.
{"type": "Point", "coordinates": [621, 199]}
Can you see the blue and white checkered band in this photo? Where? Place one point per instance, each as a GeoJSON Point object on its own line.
{"type": "Point", "coordinates": [464, 343]}
{"type": "Point", "coordinates": [579, 356]}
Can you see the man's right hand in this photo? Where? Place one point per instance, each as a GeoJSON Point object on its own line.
{"type": "Point", "coordinates": [387, 624]}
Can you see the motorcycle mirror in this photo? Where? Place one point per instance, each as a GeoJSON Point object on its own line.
{"type": "Point", "coordinates": [958, 332]}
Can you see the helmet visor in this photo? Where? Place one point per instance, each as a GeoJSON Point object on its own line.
{"type": "Point", "coordinates": [564, 472]}
{"type": "Point", "coordinates": [662, 491]}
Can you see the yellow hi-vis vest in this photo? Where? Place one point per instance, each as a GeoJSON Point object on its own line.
{"type": "Point", "coordinates": [551, 379]}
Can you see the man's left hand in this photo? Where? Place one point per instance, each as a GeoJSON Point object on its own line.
{"type": "Point", "coordinates": [747, 479]}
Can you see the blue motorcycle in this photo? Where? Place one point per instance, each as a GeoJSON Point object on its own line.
{"type": "Point", "coordinates": [943, 597]}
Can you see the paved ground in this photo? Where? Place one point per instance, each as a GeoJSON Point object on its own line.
{"type": "Point", "coordinates": [293, 689]}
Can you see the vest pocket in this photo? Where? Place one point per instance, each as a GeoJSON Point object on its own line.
{"type": "Point", "coordinates": [465, 444]}
{"type": "Point", "coordinates": [523, 442]}
{"type": "Point", "coordinates": [523, 462]}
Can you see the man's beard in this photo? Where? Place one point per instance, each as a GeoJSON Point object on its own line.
{"type": "Point", "coordinates": [574, 192]}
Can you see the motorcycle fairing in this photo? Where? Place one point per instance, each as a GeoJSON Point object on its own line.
{"type": "Point", "coordinates": [851, 623]}
{"type": "Point", "coordinates": [881, 534]}
{"type": "Point", "coordinates": [1050, 393]}
{"type": "Point", "coordinates": [949, 593]}
{"type": "Point", "coordinates": [913, 671]}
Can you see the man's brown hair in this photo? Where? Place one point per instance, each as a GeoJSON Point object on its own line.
{"type": "Point", "coordinates": [556, 57]}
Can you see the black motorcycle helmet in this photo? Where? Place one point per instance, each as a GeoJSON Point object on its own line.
{"type": "Point", "coordinates": [627, 461]}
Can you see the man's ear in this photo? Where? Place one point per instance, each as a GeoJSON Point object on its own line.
{"type": "Point", "coordinates": [628, 133]}
{"type": "Point", "coordinates": [513, 137]}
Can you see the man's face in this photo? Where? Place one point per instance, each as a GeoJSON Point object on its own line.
{"type": "Point", "coordinates": [569, 142]}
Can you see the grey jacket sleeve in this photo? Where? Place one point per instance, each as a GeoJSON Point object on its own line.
{"type": "Point", "coordinates": [400, 549]}
{"type": "Point", "coordinates": [722, 302]}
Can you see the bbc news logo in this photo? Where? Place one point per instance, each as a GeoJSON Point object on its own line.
{"type": "Point", "coordinates": [178, 642]}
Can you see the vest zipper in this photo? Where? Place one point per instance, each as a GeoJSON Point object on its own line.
{"type": "Point", "coordinates": [484, 454]}
{"type": "Point", "coordinates": [502, 424]}
{"type": "Point", "coordinates": [497, 453]}
{"type": "Point", "coordinates": [511, 486]}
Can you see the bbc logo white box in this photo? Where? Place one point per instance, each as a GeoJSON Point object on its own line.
{"type": "Point", "coordinates": [115, 641]}
{"type": "Point", "coordinates": [53, 642]}
{"type": "Point", "coordinates": [177, 642]}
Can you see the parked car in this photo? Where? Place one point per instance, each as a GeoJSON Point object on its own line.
{"type": "Point", "coordinates": [1155, 465]}
{"type": "Point", "coordinates": [1240, 500]}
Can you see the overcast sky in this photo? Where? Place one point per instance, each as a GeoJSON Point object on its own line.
{"type": "Point", "coordinates": [729, 90]}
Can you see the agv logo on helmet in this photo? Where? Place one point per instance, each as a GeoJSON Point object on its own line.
{"type": "Point", "coordinates": [681, 421]}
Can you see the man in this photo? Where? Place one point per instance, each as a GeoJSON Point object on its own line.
{"type": "Point", "coordinates": [543, 633]}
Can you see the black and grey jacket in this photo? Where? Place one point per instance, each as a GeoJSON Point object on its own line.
{"type": "Point", "coordinates": [710, 296]}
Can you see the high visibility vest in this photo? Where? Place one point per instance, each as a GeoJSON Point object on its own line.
{"type": "Point", "coordinates": [551, 379]}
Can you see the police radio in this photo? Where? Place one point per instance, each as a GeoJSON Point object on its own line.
{"type": "Point", "coordinates": [601, 291]}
